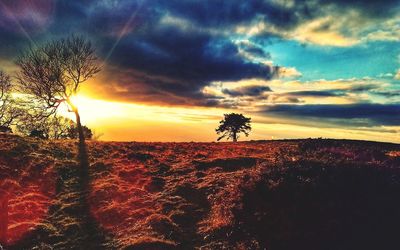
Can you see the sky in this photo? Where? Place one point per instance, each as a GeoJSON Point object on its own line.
{"type": "Point", "coordinates": [172, 68]}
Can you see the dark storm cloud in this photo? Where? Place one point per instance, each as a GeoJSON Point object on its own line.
{"type": "Point", "coordinates": [224, 14]}
{"type": "Point", "coordinates": [366, 114]}
{"type": "Point", "coordinates": [372, 8]}
{"type": "Point", "coordinates": [172, 61]}
{"type": "Point", "coordinates": [183, 64]}
{"type": "Point", "coordinates": [188, 57]}
{"type": "Point", "coordinates": [388, 94]}
{"type": "Point", "coordinates": [254, 50]}
{"type": "Point", "coordinates": [354, 89]}
{"type": "Point", "coordinates": [220, 13]}
{"type": "Point", "coordinates": [177, 60]}
{"type": "Point", "coordinates": [144, 88]}
{"type": "Point", "coordinates": [254, 90]}
{"type": "Point", "coordinates": [316, 93]}
{"type": "Point", "coordinates": [20, 15]}
{"type": "Point", "coordinates": [10, 43]}
{"type": "Point", "coordinates": [20, 22]}
{"type": "Point", "coordinates": [71, 17]}
{"type": "Point", "coordinates": [363, 88]}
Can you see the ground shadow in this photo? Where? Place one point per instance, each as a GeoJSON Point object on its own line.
{"type": "Point", "coordinates": [308, 206]}
{"type": "Point", "coordinates": [193, 210]}
{"type": "Point", "coordinates": [69, 224]}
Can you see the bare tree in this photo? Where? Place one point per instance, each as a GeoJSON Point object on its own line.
{"type": "Point", "coordinates": [54, 72]}
{"type": "Point", "coordinates": [9, 110]}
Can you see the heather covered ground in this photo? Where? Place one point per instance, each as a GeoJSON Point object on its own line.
{"type": "Point", "coordinates": [294, 194]}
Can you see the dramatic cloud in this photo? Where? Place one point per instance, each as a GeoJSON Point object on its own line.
{"type": "Point", "coordinates": [388, 94]}
{"type": "Point", "coordinates": [247, 91]}
{"type": "Point", "coordinates": [332, 23]}
{"type": "Point", "coordinates": [363, 115]}
{"type": "Point", "coordinates": [315, 93]}
{"type": "Point", "coordinates": [142, 88]}
{"type": "Point", "coordinates": [288, 73]}
{"type": "Point", "coordinates": [252, 93]}
{"type": "Point", "coordinates": [24, 16]}
{"type": "Point", "coordinates": [313, 63]}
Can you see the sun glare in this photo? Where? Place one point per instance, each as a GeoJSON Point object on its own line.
{"type": "Point", "coordinates": [92, 109]}
{"type": "Point", "coordinates": [127, 121]}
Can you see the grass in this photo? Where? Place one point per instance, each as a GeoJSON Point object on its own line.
{"type": "Point", "coordinates": [301, 194]}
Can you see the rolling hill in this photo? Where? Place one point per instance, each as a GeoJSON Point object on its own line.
{"type": "Point", "coordinates": [291, 194]}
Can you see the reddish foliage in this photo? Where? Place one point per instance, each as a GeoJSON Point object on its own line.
{"type": "Point", "coordinates": [171, 191]}
{"type": "Point", "coordinates": [3, 217]}
{"type": "Point", "coordinates": [26, 189]}
{"type": "Point", "coordinates": [192, 195]}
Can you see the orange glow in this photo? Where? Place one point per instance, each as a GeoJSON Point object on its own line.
{"type": "Point", "coordinates": [126, 122]}
{"type": "Point", "coordinates": [118, 121]}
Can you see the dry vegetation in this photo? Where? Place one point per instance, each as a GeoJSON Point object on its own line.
{"type": "Point", "coordinates": [305, 194]}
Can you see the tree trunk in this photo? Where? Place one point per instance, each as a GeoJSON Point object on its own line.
{"type": "Point", "coordinates": [79, 127]}
{"type": "Point", "coordinates": [82, 153]}
{"type": "Point", "coordinates": [234, 137]}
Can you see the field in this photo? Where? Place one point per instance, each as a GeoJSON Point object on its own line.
{"type": "Point", "coordinates": [294, 194]}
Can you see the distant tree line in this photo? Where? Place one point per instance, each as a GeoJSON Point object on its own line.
{"type": "Point", "coordinates": [55, 127]}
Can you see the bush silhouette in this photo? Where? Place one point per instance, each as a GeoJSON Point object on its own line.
{"type": "Point", "coordinates": [39, 134]}
{"type": "Point", "coordinates": [5, 129]}
{"type": "Point", "coordinates": [73, 132]}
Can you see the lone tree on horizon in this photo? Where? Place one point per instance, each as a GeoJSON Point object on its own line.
{"type": "Point", "coordinates": [232, 125]}
{"type": "Point", "coordinates": [53, 73]}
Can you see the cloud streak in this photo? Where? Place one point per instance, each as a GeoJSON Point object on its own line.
{"type": "Point", "coordinates": [363, 114]}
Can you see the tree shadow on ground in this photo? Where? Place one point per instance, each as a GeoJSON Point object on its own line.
{"type": "Point", "coordinates": [69, 224]}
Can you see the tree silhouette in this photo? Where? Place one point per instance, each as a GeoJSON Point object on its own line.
{"type": "Point", "coordinates": [9, 110]}
{"type": "Point", "coordinates": [54, 72]}
{"type": "Point", "coordinates": [73, 132]}
{"type": "Point", "coordinates": [51, 74]}
{"type": "Point", "coordinates": [232, 125]}
{"type": "Point", "coordinates": [60, 127]}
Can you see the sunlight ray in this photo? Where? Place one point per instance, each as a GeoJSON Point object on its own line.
{"type": "Point", "coordinates": [22, 29]}
{"type": "Point", "coordinates": [123, 32]}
